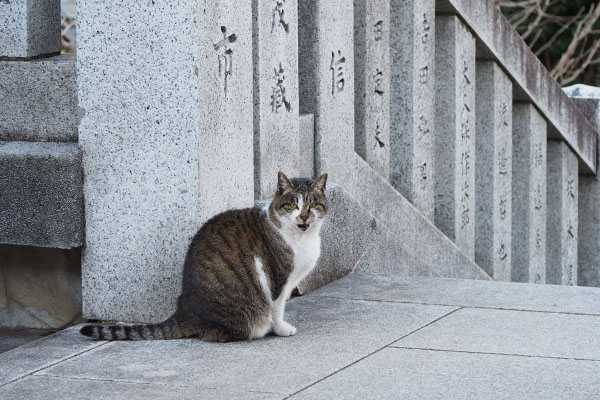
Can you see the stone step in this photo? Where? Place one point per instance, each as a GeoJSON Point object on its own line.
{"type": "Point", "coordinates": [38, 100]}
{"type": "Point", "coordinates": [41, 194]}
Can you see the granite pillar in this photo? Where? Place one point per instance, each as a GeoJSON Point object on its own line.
{"type": "Point", "coordinates": [493, 171]}
{"type": "Point", "coordinates": [326, 70]}
{"type": "Point", "coordinates": [372, 83]}
{"type": "Point", "coordinates": [528, 194]}
{"type": "Point", "coordinates": [562, 218]}
{"type": "Point", "coordinates": [276, 110]}
{"type": "Point", "coordinates": [455, 132]}
{"type": "Point", "coordinates": [413, 75]}
{"type": "Point", "coordinates": [588, 255]}
{"type": "Point", "coordinates": [167, 142]}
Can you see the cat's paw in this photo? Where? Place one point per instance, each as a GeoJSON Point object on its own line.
{"type": "Point", "coordinates": [284, 329]}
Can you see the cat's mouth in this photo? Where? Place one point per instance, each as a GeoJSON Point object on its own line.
{"type": "Point", "coordinates": [303, 226]}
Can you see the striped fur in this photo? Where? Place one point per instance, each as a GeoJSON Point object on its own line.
{"type": "Point", "coordinates": [235, 276]}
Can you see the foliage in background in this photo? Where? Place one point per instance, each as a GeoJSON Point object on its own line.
{"type": "Point", "coordinates": [564, 34]}
{"type": "Point", "coordinates": [68, 26]}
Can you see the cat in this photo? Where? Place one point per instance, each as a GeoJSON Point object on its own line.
{"type": "Point", "coordinates": [240, 269]}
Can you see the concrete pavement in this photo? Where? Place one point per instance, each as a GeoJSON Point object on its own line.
{"type": "Point", "coordinates": [364, 336]}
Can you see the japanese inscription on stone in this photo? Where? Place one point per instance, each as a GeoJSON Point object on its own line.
{"type": "Point", "coordinates": [279, 16]}
{"type": "Point", "coordinates": [225, 56]}
{"type": "Point", "coordinates": [337, 65]}
{"type": "Point", "coordinates": [278, 97]}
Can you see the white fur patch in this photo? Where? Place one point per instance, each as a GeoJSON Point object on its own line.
{"type": "Point", "coordinates": [262, 279]}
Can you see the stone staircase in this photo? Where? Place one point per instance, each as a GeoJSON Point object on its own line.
{"type": "Point", "coordinates": [451, 150]}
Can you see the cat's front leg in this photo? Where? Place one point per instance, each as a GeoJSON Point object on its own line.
{"type": "Point", "coordinates": [281, 327]}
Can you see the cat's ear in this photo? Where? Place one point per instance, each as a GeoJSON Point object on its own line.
{"type": "Point", "coordinates": [319, 183]}
{"type": "Point", "coordinates": [283, 183]}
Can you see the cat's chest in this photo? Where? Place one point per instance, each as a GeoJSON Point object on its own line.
{"type": "Point", "coordinates": [306, 250]}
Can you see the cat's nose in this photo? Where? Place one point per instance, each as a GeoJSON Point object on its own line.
{"type": "Point", "coordinates": [304, 217]}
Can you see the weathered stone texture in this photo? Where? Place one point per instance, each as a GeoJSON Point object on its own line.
{"type": "Point", "coordinates": [276, 109]}
{"type": "Point", "coordinates": [372, 87]}
{"type": "Point", "coordinates": [455, 132]}
{"type": "Point", "coordinates": [413, 101]}
{"type": "Point", "coordinates": [493, 170]}
{"type": "Point", "coordinates": [29, 28]}
{"type": "Point", "coordinates": [528, 194]}
{"type": "Point", "coordinates": [167, 140]}
{"type": "Point", "coordinates": [562, 218]}
{"type": "Point", "coordinates": [41, 194]}
{"type": "Point", "coordinates": [38, 99]}
{"type": "Point", "coordinates": [306, 143]}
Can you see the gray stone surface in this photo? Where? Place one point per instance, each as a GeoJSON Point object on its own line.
{"type": "Point", "coordinates": [38, 99]}
{"type": "Point", "coordinates": [348, 231]}
{"type": "Point", "coordinates": [512, 332]}
{"type": "Point", "coordinates": [528, 194]}
{"type": "Point", "coordinates": [39, 287]}
{"type": "Point", "coordinates": [562, 215]}
{"type": "Point", "coordinates": [41, 201]}
{"type": "Point", "coordinates": [588, 255]}
{"type": "Point", "coordinates": [455, 132]}
{"type": "Point", "coordinates": [326, 70]}
{"type": "Point", "coordinates": [372, 86]}
{"type": "Point", "coordinates": [276, 139]}
{"type": "Point", "coordinates": [331, 335]}
{"type": "Point", "coordinates": [493, 171]}
{"type": "Point", "coordinates": [466, 293]}
{"type": "Point", "coordinates": [306, 142]}
{"type": "Point", "coordinates": [531, 80]}
{"type": "Point", "coordinates": [43, 353]}
{"type": "Point", "coordinates": [167, 140]}
{"type": "Point", "coordinates": [29, 28]}
{"type": "Point", "coordinates": [346, 349]}
{"type": "Point", "coordinates": [11, 338]}
{"type": "Point", "coordinates": [413, 101]}
{"type": "Point", "coordinates": [51, 387]}
{"type": "Point", "coordinates": [423, 374]}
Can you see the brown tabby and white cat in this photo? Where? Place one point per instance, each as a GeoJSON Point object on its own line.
{"type": "Point", "coordinates": [240, 270]}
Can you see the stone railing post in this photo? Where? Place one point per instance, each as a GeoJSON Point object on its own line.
{"type": "Point", "coordinates": [372, 83]}
{"type": "Point", "coordinates": [413, 46]}
{"type": "Point", "coordinates": [276, 109]}
{"type": "Point", "coordinates": [528, 194]}
{"type": "Point", "coordinates": [562, 215]}
{"type": "Point", "coordinates": [455, 132]}
{"type": "Point", "coordinates": [493, 168]}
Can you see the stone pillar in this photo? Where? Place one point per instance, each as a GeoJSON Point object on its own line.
{"type": "Point", "coordinates": [493, 170]}
{"type": "Point", "coordinates": [561, 223]}
{"type": "Point", "coordinates": [588, 255]}
{"type": "Point", "coordinates": [276, 110]}
{"type": "Point", "coordinates": [455, 132]}
{"type": "Point", "coordinates": [528, 194]}
{"type": "Point", "coordinates": [29, 28]}
{"type": "Point", "coordinates": [372, 90]}
{"type": "Point", "coordinates": [167, 139]}
{"type": "Point", "coordinates": [413, 101]}
{"type": "Point", "coordinates": [326, 70]}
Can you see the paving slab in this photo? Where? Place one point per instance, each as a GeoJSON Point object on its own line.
{"type": "Point", "coordinates": [49, 387]}
{"type": "Point", "coordinates": [423, 374]}
{"type": "Point", "coordinates": [512, 332]}
{"type": "Point", "coordinates": [27, 359]}
{"type": "Point", "coordinates": [466, 293]}
{"type": "Point", "coordinates": [331, 335]}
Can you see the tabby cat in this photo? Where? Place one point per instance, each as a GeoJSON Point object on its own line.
{"type": "Point", "coordinates": [241, 268]}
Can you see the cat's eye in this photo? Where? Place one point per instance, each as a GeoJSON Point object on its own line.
{"type": "Point", "coordinates": [313, 205]}
{"type": "Point", "coordinates": [293, 206]}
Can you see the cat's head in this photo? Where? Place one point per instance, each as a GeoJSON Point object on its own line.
{"type": "Point", "coordinates": [300, 203]}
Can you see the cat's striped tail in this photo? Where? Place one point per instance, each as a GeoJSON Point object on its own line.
{"type": "Point", "coordinates": [168, 329]}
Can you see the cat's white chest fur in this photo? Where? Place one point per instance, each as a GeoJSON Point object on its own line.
{"type": "Point", "coordinates": [306, 248]}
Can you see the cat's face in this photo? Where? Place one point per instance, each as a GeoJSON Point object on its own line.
{"type": "Point", "coordinates": [299, 203]}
